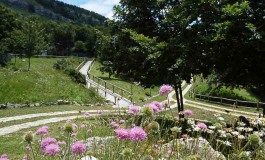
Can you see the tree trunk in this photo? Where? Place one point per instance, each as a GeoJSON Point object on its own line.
{"type": "Point", "coordinates": [181, 97]}
{"type": "Point", "coordinates": [29, 64]}
{"type": "Point", "coordinates": [177, 97]}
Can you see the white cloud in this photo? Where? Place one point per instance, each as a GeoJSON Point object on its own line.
{"type": "Point", "coordinates": [103, 7]}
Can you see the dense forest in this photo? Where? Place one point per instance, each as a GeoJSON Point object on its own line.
{"type": "Point", "coordinates": [56, 10]}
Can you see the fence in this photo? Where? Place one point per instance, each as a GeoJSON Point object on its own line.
{"type": "Point", "coordinates": [110, 86]}
{"type": "Point", "coordinates": [227, 101]}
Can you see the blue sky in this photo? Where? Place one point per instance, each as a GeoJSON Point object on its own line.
{"type": "Point", "coordinates": [103, 7]}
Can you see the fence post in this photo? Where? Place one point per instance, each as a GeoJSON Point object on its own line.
{"type": "Point", "coordinates": [208, 98]}
{"type": "Point", "coordinates": [121, 93]}
{"type": "Point", "coordinates": [257, 106]}
{"type": "Point", "coordinates": [236, 103]}
{"type": "Point", "coordinates": [113, 88]}
{"type": "Point", "coordinates": [105, 89]}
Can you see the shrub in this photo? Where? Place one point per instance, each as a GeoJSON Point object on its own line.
{"type": "Point", "coordinates": [76, 76]}
{"type": "Point", "coordinates": [62, 64]}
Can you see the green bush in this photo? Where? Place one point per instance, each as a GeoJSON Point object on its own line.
{"type": "Point", "coordinates": [62, 64]}
{"type": "Point", "coordinates": [76, 76]}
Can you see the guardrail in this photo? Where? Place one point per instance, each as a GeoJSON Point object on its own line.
{"type": "Point", "coordinates": [227, 101]}
{"type": "Point", "coordinates": [110, 86]}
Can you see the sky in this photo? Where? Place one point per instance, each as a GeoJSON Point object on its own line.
{"type": "Point", "coordinates": [103, 7]}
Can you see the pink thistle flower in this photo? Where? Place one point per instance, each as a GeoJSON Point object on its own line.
{"type": "Point", "coordinates": [47, 141]}
{"type": "Point", "coordinates": [100, 111]}
{"type": "Point", "coordinates": [78, 148]}
{"type": "Point", "coordinates": [153, 107]}
{"type": "Point", "coordinates": [89, 131]}
{"type": "Point", "coordinates": [25, 157]}
{"type": "Point", "coordinates": [69, 120]}
{"type": "Point", "coordinates": [134, 110]}
{"type": "Point", "coordinates": [83, 126]}
{"type": "Point", "coordinates": [60, 143]}
{"type": "Point", "coordinates": [3, 157]}
{"type": "Point", "coordinates": [187, 112]}
{"type": "Point", "coordinates": [122, 121]}
{"type": "Point", "coordinates": [137, 134]}
{"type": "Point", "coordinates": [170, 152]}
{"type": "Point", "coordinates": [114, 124]}
{"type": "Point", "coordinates": [28, 148]}
{"type": "Point", "coordinates": [73, 134]}
{"type": "Point", "coordinates": [87, 114]}
{"type": "Point", "coordinates": [74, 125]}
{"type": "Point", "coordinates": [158, 105]}
{"type": "Point", "coordinates": [202, 125]}
{"type": "Point", "coordinates": [122, 133]}
{"type": "Point", "coordinates": [42, 130]}
{"type": "Point", "coordinates": [52, 149]}
{"type": "Point", "coordinates": [165, 89]}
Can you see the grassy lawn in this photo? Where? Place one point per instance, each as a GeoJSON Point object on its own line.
{"type": "Point", "coordinates": [41, 84]}
{"type": "Point", "coordinates": [202, 114]}
{"type": "Point", "coordinates": [45, 109]}
{"type": "Point", "coordinates": [14, 146]}
{"type": "Point", "coordinates": [138, 91]}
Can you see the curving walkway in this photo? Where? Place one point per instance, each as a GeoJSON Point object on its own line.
{"type": "Point", "coordinates": [106, 93]}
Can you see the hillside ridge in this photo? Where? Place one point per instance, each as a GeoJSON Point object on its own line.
{"type": "Point", "coordinates": [56, 10]}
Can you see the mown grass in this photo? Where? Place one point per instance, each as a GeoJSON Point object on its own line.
{"type": "Point", "coordinates": [44, 109]}
{"type": "Point", "coordinates": [201, 114]}
{"type": "Point", "coordinates": [14, 146]}
{"type": "Point", "coordinates": [139, 92]}
{"type": "Point", "coordinates": [41, 84]}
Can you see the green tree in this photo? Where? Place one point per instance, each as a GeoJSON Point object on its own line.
{"type": "Point", "coordinates": [33, 33]}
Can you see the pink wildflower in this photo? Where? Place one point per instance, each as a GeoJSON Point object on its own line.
{"type": "Point", "coordinates": [25, 157]}
{"type": "Point", "coordinates": [28, 148]}
{"type": "Point", "coordinates": [122, 121]}
{"type": "Point", "coordinates": [114, 124]}
{"type": "Point", "coordinates": [61, 143]}
{"type": "Point", "coordinates": [52, 149]}
{"type": "Point", "coordinates": [78, 148]}
{"type": "Point", "coordinates": [3, 157]}
{"type": "Point", "coordinates": [153, 107]}
{"type": "Point", "coordinates": [100, 111]}
{"type": "Point", "coordinates": [74, 125]}
{"type": "Point", "coordinates": [83, 126]}
{"type": "Point", "coordinates": [158, 105]}
{"type": "Point", "coordinates": [69, 120]}
{"type": "Point", "coordinates": [73, 134]}
{"type": "Point", "coordinates": [187, 112]}
{"type": "Point", "coordinates": [133, 110]}
{"type": "Point", "coordinates": [122, 133]}
{"type": "Point", "coordinates": [165, 89]}
{"type": "Point", "coordinates": [42, 130]}
{"type": "Point", "coordinates": [137, 134]}
{"type": "Point", "coordinates": [47, 141]}
{"type": "Point", "coordinates": [202, 125]}
{"type": "Point", "coordinates": [87, 114]}
{"type": "Point", "coordinates": [89, 131]}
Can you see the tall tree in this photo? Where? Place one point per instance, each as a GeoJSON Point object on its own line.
{"type": "Point", "coordinates": [34, 37]}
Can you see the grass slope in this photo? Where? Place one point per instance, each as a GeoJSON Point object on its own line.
{"type": "Point", "coordinates": [41, 84]}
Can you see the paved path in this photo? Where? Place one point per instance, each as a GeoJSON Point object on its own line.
{"type": "Point", "coordinates": [106, 93]}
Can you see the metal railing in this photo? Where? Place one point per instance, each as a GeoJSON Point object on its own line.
{"type": "Point", "coordinates": [109, 86]}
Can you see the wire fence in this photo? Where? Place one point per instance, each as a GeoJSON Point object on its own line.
{"type": "Point", "coordinates": [227, 101]}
